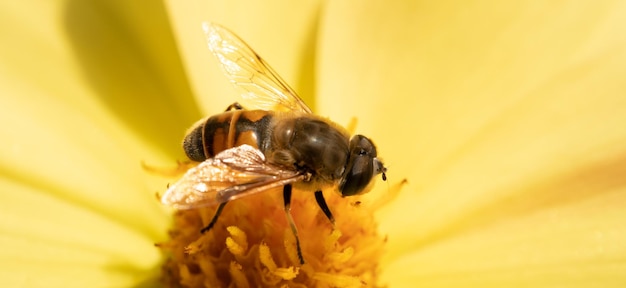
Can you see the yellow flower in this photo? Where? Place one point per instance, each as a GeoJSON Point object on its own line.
{"type": "Point", "coordinates": [88, 92]}
{"type": "Point", "coordinates": [507, 120]}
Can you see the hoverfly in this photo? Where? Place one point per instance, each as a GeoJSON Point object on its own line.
{"type": "Point", "coordinates": [281, 144]}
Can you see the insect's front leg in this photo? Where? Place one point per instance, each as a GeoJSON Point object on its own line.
{"type": "Point", "coordinates": [287, 200]}
{"type": "Point", "coordinates": [321, 202]}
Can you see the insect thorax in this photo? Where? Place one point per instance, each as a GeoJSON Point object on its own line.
{"type": "Point", "coordinates": [311, 145]}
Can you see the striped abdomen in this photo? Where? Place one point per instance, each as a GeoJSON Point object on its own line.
{"type": "Point", "coordinates": [227, 130]}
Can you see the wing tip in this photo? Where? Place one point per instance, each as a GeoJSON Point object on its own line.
{"type": "Point", "coordinates": [213, 38]}
{"type": "Point", "coordinates": [208, 26]}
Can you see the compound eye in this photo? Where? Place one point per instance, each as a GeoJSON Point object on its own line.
{"type": "Point", "coordinates": [360, 169]}
{"type": "Point", "coordinates": [358, 175]}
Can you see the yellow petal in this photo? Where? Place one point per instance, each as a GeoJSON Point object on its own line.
{"type": "Point", "coordinates": [90, 90]}
{"type": "Point", "coordinates": [49, 241]}
{"type": "Point", "coordinates": [504, 117]}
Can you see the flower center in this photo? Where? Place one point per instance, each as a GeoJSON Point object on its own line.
{"type": "Point", "coordinates": [252, 245]}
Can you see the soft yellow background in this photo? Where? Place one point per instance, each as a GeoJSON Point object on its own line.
{"type": "Point", "coordinates": [507, 119]}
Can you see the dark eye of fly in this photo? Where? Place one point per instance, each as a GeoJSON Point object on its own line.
{"type": "Point", "coordinates": [360, 168]}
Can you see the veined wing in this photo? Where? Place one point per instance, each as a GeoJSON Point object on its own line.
{"type": "Point", "coordinates": [262, 87]}
{"type": "Point", "coordinates": [231, 174]}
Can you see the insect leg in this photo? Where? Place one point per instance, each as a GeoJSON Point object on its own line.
{"type": "Point", "coordinates": [234, 106]}
{"type": "Point", "coordinates": [287, 199]}
{"type": "Point", "coordinates": [319, 197]}
{"type": "Point", "coordinates": [217, 214]}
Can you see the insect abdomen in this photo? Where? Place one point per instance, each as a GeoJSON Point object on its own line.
{"type": "Point", "coordinates": [228, 130]}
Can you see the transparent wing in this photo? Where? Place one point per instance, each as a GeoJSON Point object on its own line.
{"type": "Point", "coordinates": [262, 86]}
{"type": "Point", "coordinates": [231, 174]}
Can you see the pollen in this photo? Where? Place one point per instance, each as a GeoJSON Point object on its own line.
{"type": "Point", "coordinates": [252, 245]}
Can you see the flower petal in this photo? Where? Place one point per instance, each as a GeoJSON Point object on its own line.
{"type": "Point", "coordinates": [89, 93]}
{"type": "Point", "coordinates": [47, 241]}
{"type": "Point", "coordinates": [571, 244]}
{"type": "Point", "coordinates": [495, 112]}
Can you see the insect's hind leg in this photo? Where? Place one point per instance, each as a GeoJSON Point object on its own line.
{"type": "Point", "coordinates": [214, 219]}
{"type": "Point", "coordinates": [321, 202]}
{"type": "Point", "coordinates": [287, 200]}
{"type": "Point", "coordinates": [234, 106]}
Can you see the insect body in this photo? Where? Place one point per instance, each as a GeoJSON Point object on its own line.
{"type": "Point", "coordinates": [243, 152]}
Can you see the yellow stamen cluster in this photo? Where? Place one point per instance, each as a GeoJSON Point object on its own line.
{"type": "Point", "coordinates": [252, 245]}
